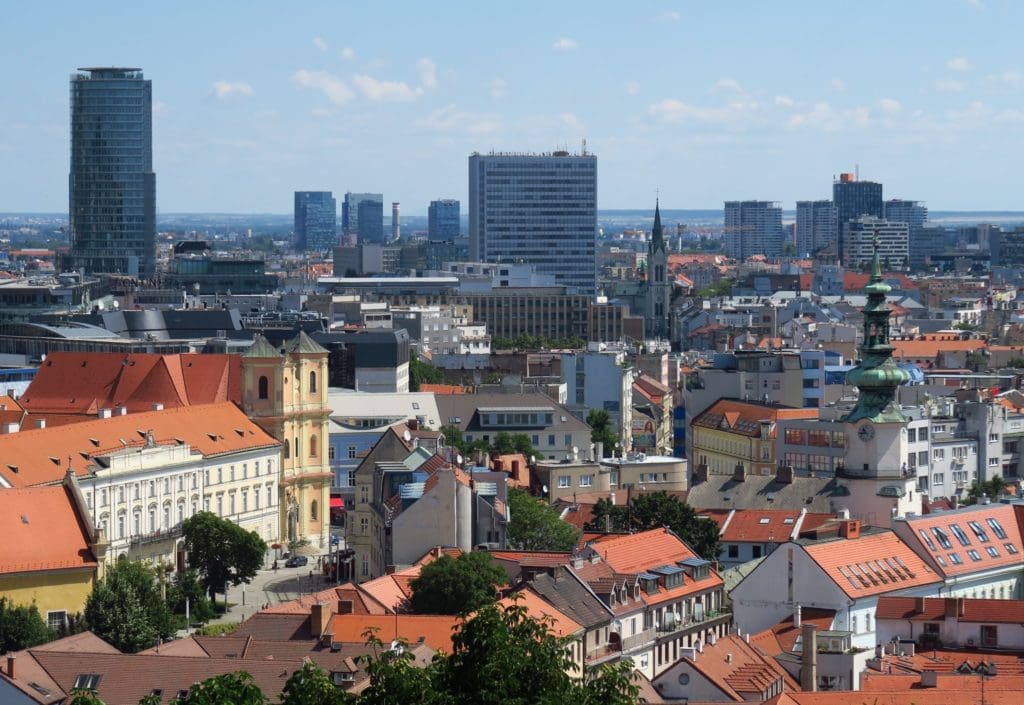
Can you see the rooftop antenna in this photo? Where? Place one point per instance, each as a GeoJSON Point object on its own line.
{"type": "Point", "coordinates": [584, 147]}
{"type": "Point", "coordinates": [856, 172]}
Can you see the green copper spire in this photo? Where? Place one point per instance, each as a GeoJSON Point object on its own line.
{"type": "Point", "coordinates": [876, 375]}
{"type": "Point", "coordinates": [657, 234]}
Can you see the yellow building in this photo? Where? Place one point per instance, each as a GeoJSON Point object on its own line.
{"type": "Point", "coordinates": [50, 554]}
{"type": "Point", "coordinates": [284, 390]}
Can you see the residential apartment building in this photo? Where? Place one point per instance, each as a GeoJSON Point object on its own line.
{"type": "Point", "coordinates": [569, 477]}
{"type": "Point", "coordinates": [853, 199]}
{"type": "Point", "coordinates": [601, 380]}
{"type": "Point", "coordinates": [540, 209]}
{"type": "Point", "coordinates": [753, 228]}
{"type": "Point", "coordinates": [815, 226]}
{"type": "Point", "coordinates": [860, 234]}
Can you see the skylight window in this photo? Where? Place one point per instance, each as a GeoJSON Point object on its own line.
{"type": "Point", "coordinates": [974, 555]}
{"type": "Point", "coordinates": [940, 560]}
{"type": "Point", "coordinates": [992, 551]}
{"type": "Point", "coordinates": [997, 528]}
{"type": "Point", "coordinates": [941, 537]}
{"type": "Point", "coordinates": [955, 558]}
{"type": "Point", "coordinates": [927, 539]}
{"type": "Point", "coordinates": [1010, 548]}
{"type": "Point", "coordinates": [979, 531]}
{"type": "Point", "coordinates": [960, 535]}
{"type": "Point", "coordinates": [764, 520]}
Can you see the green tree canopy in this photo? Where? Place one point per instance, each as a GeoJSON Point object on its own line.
{"type": "Point", "coordinates": [535, 526]}
{"type": "Point", "coordinates": [186, 586]}
{"type": "Point", "coordinates": [657, 509]}
{"type": "Point", "coordinates": [310, 685]}
{"type": "Point", "coordinates": [456, 585]}
{"type": "Point", "coordinates": [991, 488]}
{"type": "Point", "coordinates": [601, 430]}
{"type": "Point", "coordinates": [125, 608]}
{"type": "Point", "coordinates": [229, 689]}
{"type": "Point", "coordinates": [221, 551]}
{"type": "Point", "coordinates": [21, 626]}
{"type": "Point", "coordinates": [422, 372]}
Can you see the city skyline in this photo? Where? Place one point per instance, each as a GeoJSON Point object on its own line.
{"type": "Point", "coordinates": [250, 106]}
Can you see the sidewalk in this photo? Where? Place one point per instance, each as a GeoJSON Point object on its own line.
{"type": "Point", "coordinates": [270, 587]}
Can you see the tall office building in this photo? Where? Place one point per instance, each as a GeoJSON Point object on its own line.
{"type": "Point", "coordinates": [396, 221]}
{"type": "Point", "coordinates": [316, 217]}
{"type": "Point", "coordinates": [922, 240]}
{"type": "Point", "coordinates": [853, 199]}
{"type": "Point", "coordinates": [859, 236]}
{"type": "Point", "coordinates": [112, 187]}
{"type": "Point", "coordinates": [913, 213]}
{"type": "Point", "coordinates": [814, 223]}
{"type": "Point", "coordinates": [443, 220]}
{"type": "Point", "coordinates": [369, 229]}
{"type": "Point", "coordinates": [538, 209]}
{"type": "Point", "coordinates": [753, 228]}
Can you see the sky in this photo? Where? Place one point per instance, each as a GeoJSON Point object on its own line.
{"type": "Point", "coordinates": [699, 102]}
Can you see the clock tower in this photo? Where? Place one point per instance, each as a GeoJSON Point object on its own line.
{"type": "Point", "coordinates": [874, 471]}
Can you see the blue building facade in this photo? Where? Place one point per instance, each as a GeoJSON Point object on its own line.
{"type": "Point", "coordinates": [316, 217]}
{"type": "Point", "coordinates": [443, 224]}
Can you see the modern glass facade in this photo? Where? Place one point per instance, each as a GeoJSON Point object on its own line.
{"type": "Point", "coordinates": [370, 222]}
{"type": "Point", "coordinates": [316, 215]}
{"type": "Point", "coordinates": [350, 221]}
{"type": "Point", "coordinates": [443, 220]}
{"type": "Point", "coordinates": [536, 209]}
{"type": "Point", "coordinates": [112, 187]}
{"type": "Point", "coordinates": [853, 199]}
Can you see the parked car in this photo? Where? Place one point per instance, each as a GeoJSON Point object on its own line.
{"type": "Point", "coordinates": [296, 561]}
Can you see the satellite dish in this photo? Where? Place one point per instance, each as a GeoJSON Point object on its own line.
{"type": "Point", "coordinates": [396, 646]}
{"type": "Point", "coordinates": [575, 450]}
{"type": "Point", "coordinates": [545, 488]}
{"type": "Point", "coordinates": [407, 436]}
{"type": "Point", "coordinates": [458, 459]}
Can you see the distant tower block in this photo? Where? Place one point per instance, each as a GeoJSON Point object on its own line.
{"type": "Point", "coordinates": [396, 226]}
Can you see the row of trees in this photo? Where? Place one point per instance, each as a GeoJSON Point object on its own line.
{"type": "Point", "coordinates": [132, 607]}
{"type": "Point", "coordinates": [525, 341]}
{"type": "Point", "coordinates": [655, 510]}
{"type": "Point", "coordinates": [500, 655]}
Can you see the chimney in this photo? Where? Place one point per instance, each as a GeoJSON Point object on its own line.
{"type": "Point", "coordinates": [319, 619]}
{"type": "Point", "coordinates": [40, 423]}
{"type": "Point", "coordinates": [122, 411]}
{"type": "Point", "coordinates": [700, 473]}
{"type": "Point", "coordinates": [157, 406]}
{"type": "Point", "coordinates": [738, 474]}
{"type": "Point", "coordinates": [918, 605]}
{"type": "Point", "coordinates": [809, 658]}
{"type": "Point", "coordinates": [797, 616]}
{"type": "Point", "coordinates": [10, 666]}
{"type": "Point", "coordinates": [954, 607]}
{"type": "Point", "coordinates": [728, 658]}
{"type": "Point", "coordinates": [413, 424]}
{"type": "Point", "coordinates": [598, 451]}
{"type": "Point", "coordinates": [8, 428]}
{"type": "Point", "coordinates": [929, 679]}
{"type": "Point", "coordinates": [784, 475]}
{"type": "Point", "coordinates": [104, 413]}
{"type": "Point", "coordinates": [850, 529]}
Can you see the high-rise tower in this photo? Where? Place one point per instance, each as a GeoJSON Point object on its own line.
{"type": "Point", "coordinates": [316, 220]}
{"type": "Point", "coordinates": [853, 199]}
{"type": "Point", "coordinates": [111, 184]}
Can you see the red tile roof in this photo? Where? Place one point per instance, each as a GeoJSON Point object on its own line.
{"type": "Point", "coordinates": [972, 524]}
{"type": "Point", "coordinates": [766, 525]}
{"type": "Point", "coordinates": [359, 601]}
{"type": "Point", "coordinates": [559, 624]}
{"type": "Point", "coordinates": [42, 531]}
{"type": "Point", "coordinates": [872, 564]}
{"type": "Point", "coordinates": [42, 456]}
{"type": "Point", "coordinates": [10, 410]}
{"type": "Point", "coordinates": [433, 630]}
{"type": "Point", "coordinates": [739, 669]}
{"type": "Point", "coordinates": [442, 388]}
{"type": "Point", "coordinates": [933, 609]}
{"type": "Point", "coordinates": [932, 345]}
{"type": "Point", "coordinates": [744, 417]}
{"type": "Point", "coordinates": [70, 386]}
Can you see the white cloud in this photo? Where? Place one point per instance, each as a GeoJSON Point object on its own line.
{"type": "Point", "coordinates": [451, 119]}
{"type": "Point", "coordinates": [838, 84]}
{"type": "Point", "coordinates": [498, 88]}
{"type": "Point", "coordinates": [428, 73]}
{"type": "Point", "coordinates": [822, 116]}
{"type": "Point", "coordinates": [571, 121]}
{"type": "Point", "coordinates": [732, 114]}
{"type": "Point", "coordinates": [223, 89]}
{"type": "Point", "coordinates": [976, 4]}
{"type": "Point", "coordinates": [783, 100]}
{"type": "Point", "coordinates": [671, 16]}
{"type": "Point", "coordinates": [890, 106]}
{"type": "Point", "coordinates": [1013, 79]}
{"type": "Point", "coordinates": [385, 91]}
{"type": "Point", "coordinates": [959, 63]}
{"type": "Point", "coordinates": [319, 43]}
{"type": "Point", "coordinates": [565, 44]}
{"type": "Point", "coordinates": [320, 112]}
{"type": "Point", "coordinates": [728, 84]}
{"type": "Point", "coordinates": [632, 88]}
{"type": "Point", "coordinates": [950, 85]}
{"type": "Point", "coordinates": [336, 90]}
{"type": "Point", "coordinates": [347, 53]}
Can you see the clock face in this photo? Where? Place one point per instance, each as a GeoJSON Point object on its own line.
{"type": "Point", "coordinates": [866, 433]}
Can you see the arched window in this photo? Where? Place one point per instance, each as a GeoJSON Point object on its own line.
{"type": "Point", "coordinates": [312, 382]}
{"type": "Point", "coordinates": [312, 446]}
{"type": "Point", "coordinates": [287, 448]}
{"type": "Point", "coordinates": [264, 390]}
{"type": "Point", "coordinates": [313, 510]}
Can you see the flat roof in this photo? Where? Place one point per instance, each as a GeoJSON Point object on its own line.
{"type": "Point", "coordinates": [107, 68]}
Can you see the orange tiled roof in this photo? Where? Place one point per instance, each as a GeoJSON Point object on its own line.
{"type": "Point", "coordinates": [933, 609]}
{"type": "Point", "coordinates": [739, 669]}
{"type": "Point", "coordinates": [558, 623]}
{"type": "Point", "coordinates": [932, 345]}
{"type": "Point", "coordinates": [954, 540]}
{"type": "Point", "coordinates": [70, 385]}
{"type": "Point", "coordinates": [872, 564]}
{"type": "Point", "coordinates": [442, 388]}
{"type": "Point", "coordinates": [744, 417]}
{"type": "Point", "coordinates": [434, 630]}
{"type": "Point", "coordinates": [361, 602]}
{"type": "Point", "coordinates": [42, 456]}
{"type": "Point", "coordinates": [42, 531]}
{"type": "Point", "coordinates": [856, 281]}
{"type": "Point", "coordinates": [10, 410]}
{"type": "Point", "coordinates": [764, 525]}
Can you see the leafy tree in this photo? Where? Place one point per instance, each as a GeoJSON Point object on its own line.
{"type": "Point", "coordinates": [601, 431]}
{"type": "Point", "coordinates": [85, 696]}
{"type": "Point", "coordinates": [503, 443]}
{"type": "Point", "coordinates": [456, 585]}
{"type": "Point", "coordinates": [722, 287]}
{"type": "Point", "coordinates": [991, 488]}
{"type": "Point", "coordinates": [21, 626]}
{"type": "Point", "coordinates": [394, 678]}
{"type": "Point", "coordinates": [126, 610]}
{"type": "Point", "coordinates": [453, 437]}
{"type": "Point", "coordinates": [74, 623]}
{"type": "Point", "coordinates": [310, 685]}
{"type": "Point", "coordinates": [222, 552]}
{"type": "Point", "coordinates": [1015, 362]}
{"type": "Point", "coordinates": [521, 443]}
{"type": "Point", "coordinates": [422, 372]}
{"type": "Point", "coordinates": [534, 526]}
{"type": "Point", "coordinates": [229, 689]}
{"type": "Point", "coordinates": [657, 509]}
{"type": "Point", "coordinates": [186, 585]}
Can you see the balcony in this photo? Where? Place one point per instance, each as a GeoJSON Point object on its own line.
{"type": "Point", "coordinates": [156, 536]}
{"type": "Point", "coordinates": [639, 639]}
{"type": "Point", "coordinates": [710, 620]}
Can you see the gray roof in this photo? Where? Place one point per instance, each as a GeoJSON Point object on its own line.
{"type": "Point", "coordinates": [571, 597]}
{"type": "Point", "coordinates": [764, 492]}
{"type": "Point", "coordinates": [464, 407]}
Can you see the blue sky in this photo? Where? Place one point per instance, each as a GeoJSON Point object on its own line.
{"type": "Point", "coordinates": [704, 101]}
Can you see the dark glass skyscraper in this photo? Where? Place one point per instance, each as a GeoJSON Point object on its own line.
{"type": "Point", "coordinates": [316, 217]}
{"type": "Point", "coordinates": [443, 220]}
{"type": "Point", "coordinates": [112, 187]}
{"type": "Point", "coordinates": [852, 199]}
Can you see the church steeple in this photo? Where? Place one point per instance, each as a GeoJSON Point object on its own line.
{"type": "Point", "coordinates": [657, 233]}
{"type": "Point", "coordinates": [876, 375]}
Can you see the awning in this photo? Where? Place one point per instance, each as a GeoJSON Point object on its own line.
{"type": "Point", "coordinates": [337, 503]}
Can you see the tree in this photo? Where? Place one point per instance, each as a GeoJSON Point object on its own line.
{"type": "Point", "coordinates": [601, 431]}
{"type": "Point", "coordinates": [453, 437]}
{"type": "Point", "coordinates": [85, 696]}
{"type": "Point", "coordinates": [222, 552]}
{"type": "Point", "coordinates": [657, 509]}
{"type": "Point", "coordinates": [395, 678]}
{"type": "Point", "coordinates": [187, 587]}
{"type": "Point", "coordinates": [503, 443]}
{"type": "Point", "coordinates": [991, 488]}
{"type": "Point", "coordinates": [126, 610]}
{"type": "Point", "coordinates": [21, 626]}
{"type": "Point", "coordinates": [534, 526]}
{"type": "Point", "coordinates": [1015, 362]}
{"type": "Point", "coordinates": [421, 372]}
{"type": "Point", "coordinates": [456, 585]}
{"type": "Point", "coordinates": [310, 685]}
{"type": "Point", "coordinates": [235, 688]}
